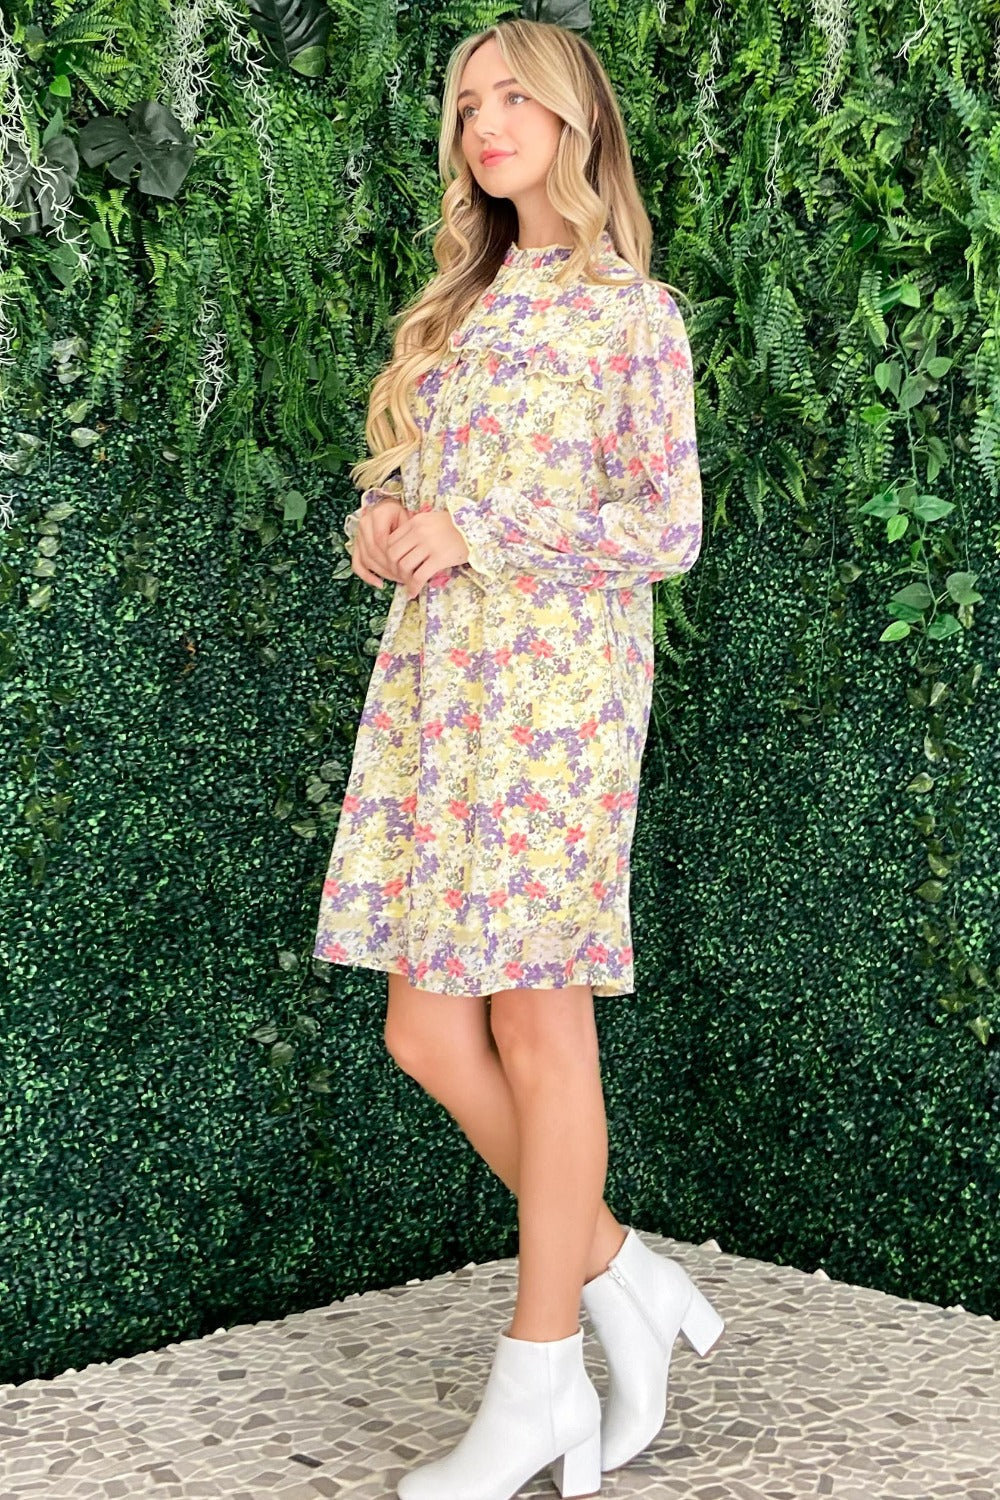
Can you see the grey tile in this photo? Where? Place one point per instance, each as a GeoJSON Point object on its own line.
{"type": "Point", "coordinates": [817, 1388]}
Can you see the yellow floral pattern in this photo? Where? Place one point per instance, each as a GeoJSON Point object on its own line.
{"type": "Point", "coordinates": [484, 838]}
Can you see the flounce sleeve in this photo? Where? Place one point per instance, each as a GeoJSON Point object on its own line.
{"type": "Point", "coordinates": [391, 488]}
{"type": "Point", "coordinates": [651, 528]}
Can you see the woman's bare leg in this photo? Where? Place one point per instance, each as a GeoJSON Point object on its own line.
{"type": "Point", "coordinates": [547, 1042]}
{"type": "Point", "coordinates": [446, 1043]}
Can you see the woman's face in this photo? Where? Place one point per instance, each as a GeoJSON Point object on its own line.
{"type": "Point", "coordinates": [497, 115]}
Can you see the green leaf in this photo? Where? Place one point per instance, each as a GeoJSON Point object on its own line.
{"type": "Point", "coordinates": [895, 632]}
{"type": "Point", "coordinates": [942, 627]}
{"type": "Point", "coordinates": [914, 596]}
{"type": "Point", "coordinates": [960, 587]}
{"type": "Point", "coordinates": [913, 392]}
{"type": "Point", "coordinates": [930, 508]}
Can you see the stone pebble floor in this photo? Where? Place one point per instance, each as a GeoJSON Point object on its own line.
{"type": "Point", "coordinates": [816, 1388]}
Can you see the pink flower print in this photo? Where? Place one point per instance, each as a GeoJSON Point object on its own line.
{"type": "Point", "coordinates": [458, 657]}
{"type": "Point", "coordinates": [588, 730]}
{"type": "Point", "coordinates": [462, 435]}
{"type": "Point", "coordinates": [497, 900]}
{"type": "Point", "coordinates": [631, 654]}
{"type": "Point", "coordinates": [541, 647]}
{"type": "Point", "coordinates": [338, 954]}
{"type": "Point", "coordinates": [471, 721]}
{"type": "Point", "coordinates": [424, 834]}
{"type": "Point", "coordinates": [458, 809]}
{"type": "Point", "coordinates": [517, 843]}
{"type": "Point", "coordinates": [527, 583]}
{"type": "Point", "coordinates": [393, 887]}
{"type": "Point", "coordinates": [382, 720]}
{"type": "Point", "coordinates": [420, 970]}
{"type": "Point", "coordinates": [542, 442]}
{"type": "Point", "coordinates": [539, 304]}
{"type": "Point", "coordinates": [599, 889]}
{"type": "Point", "coordinates": [409, 804]}
{"type": "Point", "coordinates": [488, 423]}
{"type": "Point", "coordinates": [574, 834]}
{"type": "Point", "coordinates": [383, 659]}
{"type": "Point", "coordinates": [513, 971]}
{"type": "Point", "coordinates": [536, 889]}
{"type": "Point", "coordinates": [455, 966]}
{"type": "Point", "coordinates": [351, 803]}
{"type": "Point", "coordinates": [402, 964]}
{"type": "Point", "coordinates": [535, 802]}
{"type": "Point", "coordinates": [433, 729]}
{"type": "Point", "coordinates": [598, 953]}
{"type": "Point", "coordinates": [625, 955]}
{"type": "Point", "coordinates": [453, 899]}
{"type": "Point", "coordinates": [523, 734]}
{"type": "Point", "coordinates": [498, 808]}
{"type": "Point", "coordinates": [331, 888]}
{"type": "Point", "coordinates": [502, 656]}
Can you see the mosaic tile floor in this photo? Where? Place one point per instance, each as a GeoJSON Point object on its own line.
{"type": "Point", "coordinates": [816, 1388]}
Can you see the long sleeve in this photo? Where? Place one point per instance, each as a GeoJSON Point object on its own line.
{"type": "Point", "coordinates": [651, 527]}
{"type": "Point", "coordinates": [391, 488]}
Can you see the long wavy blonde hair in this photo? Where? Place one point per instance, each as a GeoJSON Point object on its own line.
{"type": "Point", "coordinates": [591, 183]}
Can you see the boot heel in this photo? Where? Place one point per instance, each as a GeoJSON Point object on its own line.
{"type": "Point", "coordinates": [578, 1471]}
{"type": "Point", "coordinates": [702, 1326]}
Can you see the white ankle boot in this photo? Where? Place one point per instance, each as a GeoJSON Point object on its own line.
{"type": "Point", "coordinates": [636, 1308]}
{"type": "Point", "coordinates": [539, 1407]}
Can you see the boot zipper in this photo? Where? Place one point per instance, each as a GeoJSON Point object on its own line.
{"type": "Point", "coordinates": [657, 1335]}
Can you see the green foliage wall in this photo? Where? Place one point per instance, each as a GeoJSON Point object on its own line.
{"type": "Point", "coordinates": [201, 1125]}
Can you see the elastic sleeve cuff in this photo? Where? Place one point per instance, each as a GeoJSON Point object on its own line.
{"type": "Point", "coordinates": [485, 564]}
{"type": "Point", "coordinates": [389, 489]}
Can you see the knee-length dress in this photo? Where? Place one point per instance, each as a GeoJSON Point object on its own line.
{"type": "Point", "coordinates": [484, 838]}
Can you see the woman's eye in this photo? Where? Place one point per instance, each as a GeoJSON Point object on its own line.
{"type": "Point", "coordinates": [513, 94]}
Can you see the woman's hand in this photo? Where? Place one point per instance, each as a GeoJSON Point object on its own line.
{"type": "Point", "coordinates": [376, 524]}
{"type": "Point", "coordinates": [423, 545]}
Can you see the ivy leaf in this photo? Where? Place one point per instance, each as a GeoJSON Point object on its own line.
{"type": "Point", "coordinates": [914, 596]}
{"type": "Point", "coordinates": [960, 587]}
{"type": "Point", "coordinates": [930, 508]}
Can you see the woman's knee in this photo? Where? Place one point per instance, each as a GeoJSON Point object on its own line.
{"type": "Point", "coordinates": [428, 1035]}
{"type": "Point", "coordinates": [535, 1026]}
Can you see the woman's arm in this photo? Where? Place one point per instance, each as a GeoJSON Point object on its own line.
{"type": "Point", "coordinates": [652, 527]}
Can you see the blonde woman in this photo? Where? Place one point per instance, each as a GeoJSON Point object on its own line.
{"type": "Point", "coordinates": [534, 470]}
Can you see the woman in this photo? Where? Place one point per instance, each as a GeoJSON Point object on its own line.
{"type": "Point", "coordinates": [534, 471]}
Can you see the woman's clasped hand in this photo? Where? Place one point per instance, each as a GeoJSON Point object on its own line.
{"type": "Point", "coordinates": [407, 547]}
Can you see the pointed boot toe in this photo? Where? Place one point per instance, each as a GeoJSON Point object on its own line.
{"type": "Point", "coordinates": [539, 1408]}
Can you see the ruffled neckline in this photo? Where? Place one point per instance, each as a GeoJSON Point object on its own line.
{"type": "Point", "coordinates": [547, 259]}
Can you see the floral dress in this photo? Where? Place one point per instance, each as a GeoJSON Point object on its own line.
{"type": "Point", "coordinates": [484, 838]}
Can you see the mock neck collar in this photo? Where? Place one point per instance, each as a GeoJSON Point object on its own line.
{"type": "Point", "coordinates": [548, 258]}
